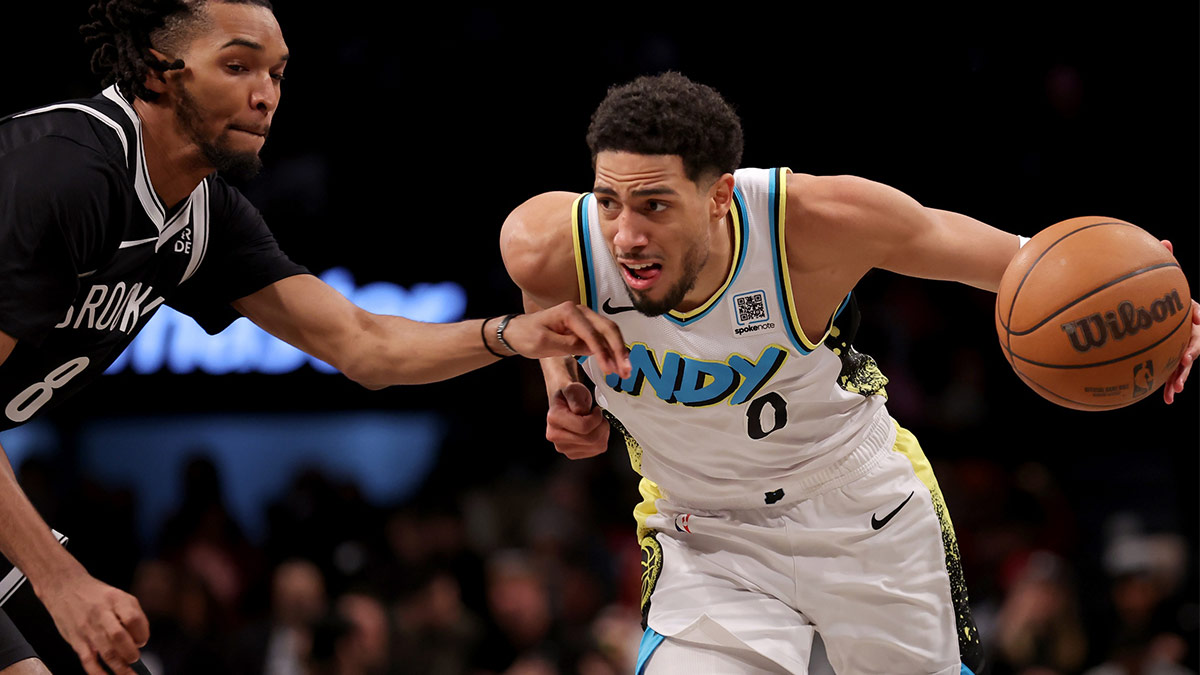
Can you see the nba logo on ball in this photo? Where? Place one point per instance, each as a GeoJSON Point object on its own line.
{"type": "Point", "coordinates": [1089, 310]}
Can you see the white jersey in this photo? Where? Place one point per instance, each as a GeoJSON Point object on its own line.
{"type": "Point", "coordinates": [731, 405]}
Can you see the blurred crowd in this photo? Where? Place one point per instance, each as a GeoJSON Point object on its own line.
{"type": "Point", "coordinates": [534, 575]}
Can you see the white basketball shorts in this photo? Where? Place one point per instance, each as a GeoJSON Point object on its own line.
{"type": "Point", "coordinates": [870, 562]}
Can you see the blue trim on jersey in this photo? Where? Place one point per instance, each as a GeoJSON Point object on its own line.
{"type": "Point", "coordinates": [651, 639]}
{"type": "Point", "coordinates": [842, 307]}
{"type": "Point", "coordinates": [586, 238]}
{"type": "Point", "coordinates": [966, 671]}
{"type": "Point", "coordinates": [780, 284]}
{"type": "Point", "coordinates": [739, 204]}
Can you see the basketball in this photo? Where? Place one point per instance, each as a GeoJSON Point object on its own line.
{"type": "Point", "coordinates": [1093, 313]}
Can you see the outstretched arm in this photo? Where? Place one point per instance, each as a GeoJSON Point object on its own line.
{"type": "Point", "coordinates": [378, 351]}
{"type": "Point", "coordinates": [97, 620]}
{"type": "Point", "coordinates": [840, 227]}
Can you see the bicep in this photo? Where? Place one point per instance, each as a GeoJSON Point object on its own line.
{"type": "Point", "coordinates": [871, 225]}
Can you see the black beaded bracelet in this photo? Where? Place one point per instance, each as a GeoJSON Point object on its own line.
{"type": "Point", "coordinates": [483, 336]}
{"type": "Point", "coordinates": [500, 333]}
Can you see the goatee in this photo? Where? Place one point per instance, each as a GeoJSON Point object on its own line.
{"type": "Point", "coordinates": [231, 164]}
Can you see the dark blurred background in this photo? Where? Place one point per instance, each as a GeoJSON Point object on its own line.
{"type": "Point", "coordinates": [291, 523]}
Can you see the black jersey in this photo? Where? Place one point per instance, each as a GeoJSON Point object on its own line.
{"type": "Point", "coordinates": [88, 252]}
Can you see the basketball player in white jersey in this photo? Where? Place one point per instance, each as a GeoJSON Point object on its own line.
{"type": "Point", "coordinates": [780, 496]}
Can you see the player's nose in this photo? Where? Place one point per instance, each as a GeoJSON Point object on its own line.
{"type": "Point", "coordinates": [631, 233]}
{"type": "Point", "coordinates": [264, 96]}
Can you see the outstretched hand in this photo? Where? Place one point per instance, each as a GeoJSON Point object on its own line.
{"type": "Point", "coordinates": [569, 330]}
{"type": "Point", "coordinates": [1175, 382]}
{"type": "Point", "coordinates": [575, 427]}
{"type": "Point", "coordinates": [101, 623]}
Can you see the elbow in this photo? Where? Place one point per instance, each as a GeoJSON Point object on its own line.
{"type": "Point", "coordinates": [359, 356]}
{"type": "Point", "coordinates": [361, 372]}
{"type": "Point", "coordinates": [365, 381]}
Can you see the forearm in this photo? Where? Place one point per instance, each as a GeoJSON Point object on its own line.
{"type": "Point", "coordinates": [558, 373]}
{"type": "Point", "coordinates": [393, 350]}
{"type": "Point", "coordinates": [955, 247]}
{"type": "Point", "coordinates": [25, 539]}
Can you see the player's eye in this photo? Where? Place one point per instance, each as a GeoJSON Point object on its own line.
{"type": "Point", "coordinates": [237, 68]}
{"type": "Point", "coordinates": [605, 203]}
{"type": "Point", "coordinates": [278, 77]}
{"type": "Point", "coordinates": [655, 206]}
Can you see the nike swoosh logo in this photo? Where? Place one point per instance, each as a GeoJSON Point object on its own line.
{"type": "Point", "coordinates": [878, 523]}
{"type": "Point", "coordinates": [609, 309]}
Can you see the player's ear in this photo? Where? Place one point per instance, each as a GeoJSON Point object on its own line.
{"type": "Point", "coordinates": [156, 80]}
{"type": "Point", "coordinates": [721, 196]}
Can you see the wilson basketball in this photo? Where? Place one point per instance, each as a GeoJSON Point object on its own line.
{"type": "Point", "coordinates": [1093, 313]}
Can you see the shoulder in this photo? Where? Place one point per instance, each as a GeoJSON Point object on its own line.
{"type": "Point", "coordinates": [848, 206]}
{"type": "Point", "coordinates": [57, 167]}
{"type": "Point", "coordinates": [542, 214]}
{"type": "Point", "coordinates": [834, 196]}
{"type": "Point", "coordinates": [95, 126]}
{"type": "Point", "coordinates": [538, 248]}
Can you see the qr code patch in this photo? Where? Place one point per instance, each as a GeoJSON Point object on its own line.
{"type": "Point", "coordinates": [751, 307]}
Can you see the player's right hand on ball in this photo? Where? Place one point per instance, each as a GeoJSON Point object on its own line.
{"type": "Point", "coordinates": [98, 621]}
{"type": "Point", "coordinates": [576, 427]}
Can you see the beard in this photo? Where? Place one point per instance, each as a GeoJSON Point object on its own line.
{"type": "Point", "coordinates": [237, 165]}
{"type": "Point", "coordinates": [693, 262]}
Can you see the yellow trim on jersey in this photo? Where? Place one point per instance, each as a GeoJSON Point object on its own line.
{"type": "Point", "coordinates": [580, 272]}
{"type": "Point", "coordinates": [736, 221]}
{"type": "Point", "coordinates": [785, 271]}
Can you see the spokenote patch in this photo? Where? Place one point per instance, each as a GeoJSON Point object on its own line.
{"type": "Point", "coordinates": [750, 313]}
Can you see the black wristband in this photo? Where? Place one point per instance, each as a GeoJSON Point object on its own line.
{"type": "Point", "coordinates": [483, 336]}
{"type": "Point", "coordinates": [500, 333]}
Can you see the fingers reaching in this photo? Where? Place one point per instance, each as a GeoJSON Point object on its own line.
{"type": "Point", "coordinates": [568, 329]}
{"type": "Point", "coordinates": [1176, 381]}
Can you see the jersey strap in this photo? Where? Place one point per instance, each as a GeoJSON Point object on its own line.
{"type": "Point", "coordinates": [783, 279]}
{"type": "Point", "coordinates": [580, 234]}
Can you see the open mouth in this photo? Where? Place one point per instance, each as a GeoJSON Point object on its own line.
{"type": "Point", "coordinates": [641, 276]}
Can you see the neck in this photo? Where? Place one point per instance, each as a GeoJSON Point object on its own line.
{"type": "Point", "coordinates": [173, 160]}
{"type": "Point", "coordinates": [716, 269]}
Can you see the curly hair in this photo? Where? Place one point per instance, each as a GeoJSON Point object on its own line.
{"type": "Point", "coordinates": [669, 114]}
{"type": "Point", "coordinates": [122, 32]}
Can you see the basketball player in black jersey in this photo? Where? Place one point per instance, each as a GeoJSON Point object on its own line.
{"type": "Point", "coordinates": [111, 207]}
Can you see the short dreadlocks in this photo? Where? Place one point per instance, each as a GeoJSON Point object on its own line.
{"type": "Point", "coordinates": [669, 114]}
{"type": "Point", "coordinates": [123, 31]}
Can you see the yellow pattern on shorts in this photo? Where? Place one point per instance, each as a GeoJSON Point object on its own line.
{"type": "Point", "coordinates": [969, 646]}
{"type": "Point", "coordinates": [652, 562]}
